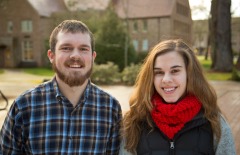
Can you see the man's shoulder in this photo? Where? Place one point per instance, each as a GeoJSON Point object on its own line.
{"type": "Point", "coordinates": [102, 99]}
{"type": "Point", "coordinates": [38, 90]}
{"type": "Point", "coordinates": [99, 92]}
{"type": "Point", "coordinates": [97, 89]}
{"type": "Point", "coordinates": [45, 86]}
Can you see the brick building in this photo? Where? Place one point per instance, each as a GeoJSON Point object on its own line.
{"type": "Point", "coordinates": [25, 25]}
{"type": "Point", "coordinates": [201, 31]}
{"type": "Point", "coordinates": [24, 31]}
{"type": "Point", "coordinates": [148, 22]}
{"type": "Point", "coordinates": [155, 20]}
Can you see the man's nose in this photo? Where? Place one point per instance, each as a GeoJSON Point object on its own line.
{"type": "Point", "coordinates": [75, 54]}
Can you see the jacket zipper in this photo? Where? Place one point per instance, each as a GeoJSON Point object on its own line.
{"type": "Point", "coordinates": [172, 147]}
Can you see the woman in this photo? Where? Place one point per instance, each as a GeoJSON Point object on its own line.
{"type": "Point", "coordinates": [173, 109]}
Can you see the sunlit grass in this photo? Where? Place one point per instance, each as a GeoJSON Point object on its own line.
{"type": "Point", "coordinates": [219, 76]}
{"type": "Point", "coordinates": [1, 71]}
{"type": "Point", "coordinates": [206, 64]}
{"type": "Point", "coordinates": [210, 75]}
{"type": "Point", "coordinates": [39, 71]}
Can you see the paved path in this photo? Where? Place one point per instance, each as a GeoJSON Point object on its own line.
{"type": "Point", "coordinates": [14, 82]}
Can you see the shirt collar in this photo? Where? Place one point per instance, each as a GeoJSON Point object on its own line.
{"type": "Point", "coordinates": [60, 95]}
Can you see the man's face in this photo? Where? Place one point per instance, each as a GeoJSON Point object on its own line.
{"type": "Point", "coordinates": [73, 58]}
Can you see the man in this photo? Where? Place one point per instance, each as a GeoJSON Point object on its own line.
{"type": "Point", "coordinates": [67, 115]}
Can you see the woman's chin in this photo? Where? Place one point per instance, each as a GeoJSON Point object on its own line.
{"type": "Point", "coordinates": [170, 101]}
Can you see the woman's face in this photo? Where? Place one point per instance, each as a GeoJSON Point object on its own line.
{"type": "Point", "coordinates": [170, 76]}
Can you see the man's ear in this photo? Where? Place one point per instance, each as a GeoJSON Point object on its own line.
{"type": "Point", "coordinates": [94, 55]}
{"type": "Point", "coordinates": [50, 55]}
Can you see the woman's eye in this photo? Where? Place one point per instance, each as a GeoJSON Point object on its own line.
{"type": "Point", "coordinates": [158, 73]}
{"type": "Point", "coordinates": [175, 71]}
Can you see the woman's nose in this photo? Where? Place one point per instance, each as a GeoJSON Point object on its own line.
{"type": "Point", "coordinates": [167, 78]}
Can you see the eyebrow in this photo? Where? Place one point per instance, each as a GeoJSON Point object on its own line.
{"type": "Point", "coordinates": [68, 44]}
{"type": "Point", "coordinates": [176, 66]}
{"type": "Point", "coordinates": [65, 44]}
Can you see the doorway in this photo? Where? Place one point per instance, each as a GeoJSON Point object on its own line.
{"type": "Point", "coordinates": [2, 55]}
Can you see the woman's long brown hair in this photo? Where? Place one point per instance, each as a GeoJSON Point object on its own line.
{"type": "Point", "coordinates": [140, 100]}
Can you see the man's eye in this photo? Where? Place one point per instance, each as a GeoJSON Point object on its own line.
{"type": "Point", "coordinates": [84, 49]}
{"type": "Point", "coordinates": [66, 48]}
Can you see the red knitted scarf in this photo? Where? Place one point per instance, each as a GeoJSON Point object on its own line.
{"type": "Point", "coordinates": [170, 118]}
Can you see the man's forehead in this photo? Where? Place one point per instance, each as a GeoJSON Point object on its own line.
{"type": "Point", "coordinates": [65, 32]}
{"type": "Point", "coordinates": [67, 35]}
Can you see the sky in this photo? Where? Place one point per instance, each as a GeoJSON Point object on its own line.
{"type": "Point", "coordinates": [206, 5]}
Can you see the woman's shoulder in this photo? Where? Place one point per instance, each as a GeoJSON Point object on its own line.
{"type": "Point", "coordinates": [122, 150]}
{"type": "Point", "coordinates": [224, 124]}
{"type": "Point", "coordinates": [226, 144]}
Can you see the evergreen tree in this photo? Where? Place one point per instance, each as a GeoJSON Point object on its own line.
{"type": "Point", "coordinates": [111, 41]}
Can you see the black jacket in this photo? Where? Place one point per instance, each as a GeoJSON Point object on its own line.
{"type": "Point", "coordinates": [196, 138]}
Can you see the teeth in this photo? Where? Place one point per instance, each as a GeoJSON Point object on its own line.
{"type": "Point", "coordinates": [168, 89]}
{"type": "Point", "coordinates": [75, 66]}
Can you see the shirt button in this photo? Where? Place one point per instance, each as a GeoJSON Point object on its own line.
{"type": "Point", "coordinates": [59, 99]}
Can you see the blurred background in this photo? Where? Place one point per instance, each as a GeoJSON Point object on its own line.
{"type": "Point", "coordinates": [125, 30]}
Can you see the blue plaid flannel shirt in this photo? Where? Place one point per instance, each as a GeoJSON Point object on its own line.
{"type": "Point", "coordinates": [43, 121]}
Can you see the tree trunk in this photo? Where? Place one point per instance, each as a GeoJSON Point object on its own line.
{"type": "Point", "coordinates": [207, 51]}
{"type": "Point", "coordinates": [222, 56]}
{"type": "Point", "coordinates": [212, 31]}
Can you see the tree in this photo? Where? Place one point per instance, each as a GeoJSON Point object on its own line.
{"type": "Point", "coordinates": [238, 63]}
{"type": "Point", "coordinates": [220, 31]}
{"type": "Point", "coordinates": [111, 40]}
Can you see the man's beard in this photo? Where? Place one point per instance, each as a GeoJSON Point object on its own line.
{"type": "Point", "coordinates": [74, 78]}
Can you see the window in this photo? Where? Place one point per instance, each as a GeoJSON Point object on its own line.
{"type": "Point", "coordinates": [27, 26]}
{"type": "Point", "coordinates": [135, 45]}
{"type": "Point", "coordinates": [145, 45]}
{"type": "Point", "coordinates": [27, 50]}
{"type": "Point", "coordinates": [183, 10]}
{"type": "Point", "coordinates": [135, 26]}
{"type": "Point", "coordinates": [10, 27]}
{"type": "Point", "coordinates": [145, 25]}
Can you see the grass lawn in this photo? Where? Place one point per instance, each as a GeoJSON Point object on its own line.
{"type": "Point", "coordinates": [206, 64]}
{"type": "Point", "coordinates": [39, 71]}
{"type": "Point", "coordinates": [1, 71]}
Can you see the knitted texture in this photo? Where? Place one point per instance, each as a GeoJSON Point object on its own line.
{"type": "Point", "coordinates": [170, 118]}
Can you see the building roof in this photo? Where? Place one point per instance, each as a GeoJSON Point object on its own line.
{"type": "Point", "coordinates": [135, 8]}
{"type": "Point", "coordinates": [47, 7]}
{"type": "Point", "coordinates": [144, 8]}
{"type": "Point", "coordinates": [87, 4]}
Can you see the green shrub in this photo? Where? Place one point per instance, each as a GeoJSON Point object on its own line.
{"type": "Point", "coordinates": [140, 57]}
{"type": "Point", "coordinates": [130, 73]}
{"type": "Point", "coordinates": [235, 75]}
{"type": "Point", "coordinates": [106, 74]}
